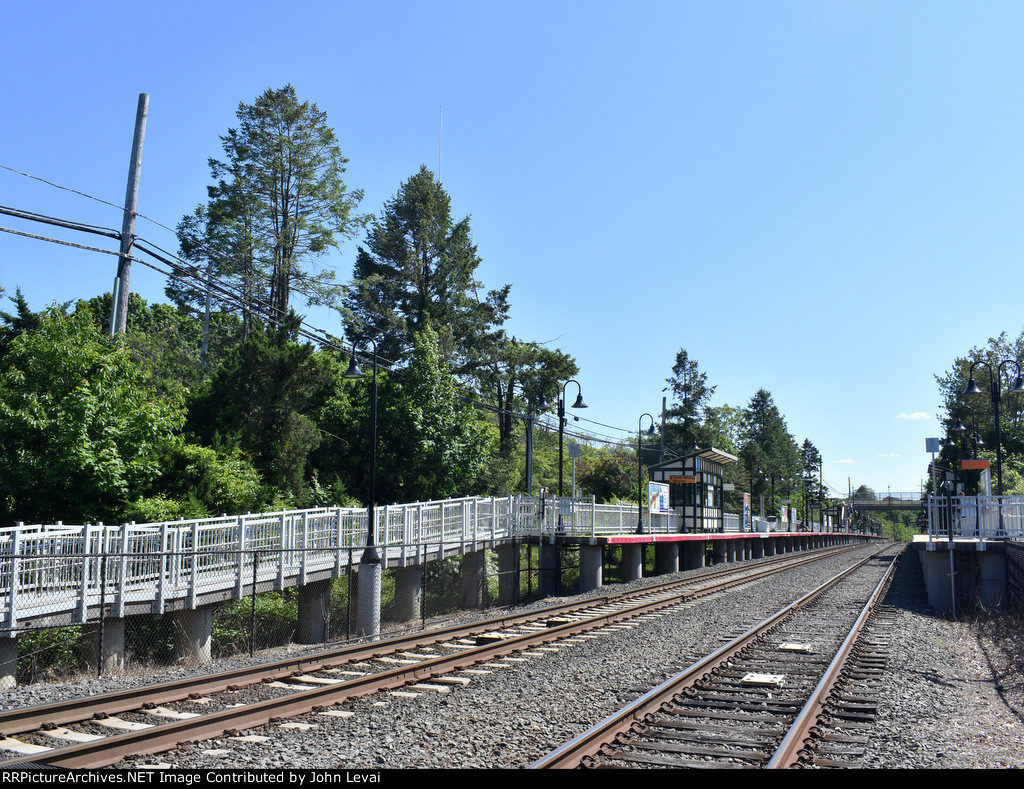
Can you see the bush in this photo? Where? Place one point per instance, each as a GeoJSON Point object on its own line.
{"type": "Point", "coordinates": [50, 654]}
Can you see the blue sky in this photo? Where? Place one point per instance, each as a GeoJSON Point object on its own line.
{"type": "Point", "coordinates": [821, 199]}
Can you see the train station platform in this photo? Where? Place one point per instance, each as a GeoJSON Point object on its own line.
{"type": "Point", "coordinates": [968, 574]}
{"type": "Point", "coordinates": [680, 552]}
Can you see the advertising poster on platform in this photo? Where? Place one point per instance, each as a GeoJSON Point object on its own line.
{"type": "Point", "coordinates": [746, 512]}
{"type": "Point", "coordinates": [657, 498]}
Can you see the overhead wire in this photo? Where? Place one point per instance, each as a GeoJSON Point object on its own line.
{"type": "Point", "coordinates": [230, 295]}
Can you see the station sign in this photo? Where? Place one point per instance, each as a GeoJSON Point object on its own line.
{"type": "Point", "coordinates": [974, 465]}
{"type": "Point", "coordinates": [683, 480]}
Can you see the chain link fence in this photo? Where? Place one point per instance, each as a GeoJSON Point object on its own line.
{"type": "Point", "coordinates": [246, 624]}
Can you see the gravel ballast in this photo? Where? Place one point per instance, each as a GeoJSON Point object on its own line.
{"type": "Point", "coordinates": [952, 697]}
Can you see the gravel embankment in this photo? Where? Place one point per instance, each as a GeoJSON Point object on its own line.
{"type": "Point", "coordinates": [942, 706]}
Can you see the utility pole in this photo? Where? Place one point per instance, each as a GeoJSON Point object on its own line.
{"type": "Point", "coordinates": [119, 319]}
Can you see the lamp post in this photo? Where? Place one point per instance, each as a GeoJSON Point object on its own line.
{"type": "Point", "coordinates": [639, 472]}
{"type": "Point", "coordinates": [370, 563]}
{"type": "Point", "coordinates": [561, 419]}
{"type": "Point", "coordinates": [996, 396]}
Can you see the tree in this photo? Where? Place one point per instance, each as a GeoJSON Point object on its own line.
{"type": "Point", "coordinates": [22, 320]}
{"type": "Point", "coordinates": [691, 397]}
{"type": "Point", "coordinates": [433, 446]}
{"type": "Point", "coordinates": [265, 400]}
{"type": "Point", "coordinates": [278, 205]}
{"type": "Point", "coordinates": [167, 343]}
{"type": "Point", "coordinates": [864, 493]}
{"type": "Point", "coordinates": [609, 473]}
{"type": "Point", "coordinates": [977, 409]}
{"type": "Point", "coordinates": [81, 435]}
{"type": "Point", "coordinates": [767, 445]}
{"type": "Point", "coordinates": [513, 378]}
{"type": "Point", "coordinates": [418, 269]}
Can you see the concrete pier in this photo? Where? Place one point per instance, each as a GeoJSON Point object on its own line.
{"type": "Point", "coordinates": [314, 610]}
{"type": "Point", "coordinates": [408, 593]}
{"type": "Point", "coordinates": [474, 566]}
{"type": "Point", "coordinates": [591, 567]}
{"type": "Point", "coordinates": [632, 562]}
{"type": "Point", "coordinates": [666, 558]}
{"type": "Point", "coordinates": [193, 635]}
{"type": "Point", "coordinates": [8, 663]}
{"type": "Point", "coordinates": [508, 573]}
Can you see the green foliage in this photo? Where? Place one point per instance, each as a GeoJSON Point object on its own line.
{"type": "Point", "coordinates": [50, 654]}
{"type": "Point", "coordinates": [609, 474]}
{"type": "Point", "coordinates": [512, 378]}
{"type": "Point", "coordinates": [167, 343]}
{"type": "Point", "coordinates": [196, 482]}
{"type": "Point", "coordinates": [976, 411]}
{"type": "Point", "coordinates": [263, 401]}
{"type": "Point", "coordinates": [898, 526]}
{"type": "Point", "coordinates": [278, 204]}
{"type": "Point", "coordinates": [81, 435]}
{"type": "Point", "coordinates": [448, 445]}
{"type": "Point", "coordinates": [417, 270]}
{"type": "Point", "coordinates": [691, 398]}
{"type": "Point", "coordinates": [277, 615]}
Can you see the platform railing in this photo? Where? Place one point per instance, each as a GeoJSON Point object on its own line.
{"type": "Point", "coordinates": [63, 571]}
{"type": "Point", "coordinates": [975, 517]}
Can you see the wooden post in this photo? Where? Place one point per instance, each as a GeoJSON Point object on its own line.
{"type": "Point", "coordinates": [131, 200]}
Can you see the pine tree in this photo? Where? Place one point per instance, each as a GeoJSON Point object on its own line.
{"type": "Point", "coordinates": [418, 269]}
{"type": "Point", "coordinates": [277, 206]}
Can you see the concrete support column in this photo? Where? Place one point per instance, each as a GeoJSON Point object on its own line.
{"type": "Point", "coordinates": [409, 593]}
{"type": "Point", "coordinates": [112, 658]}
{"type": "Point", "coordinates": [314, 607]}
{"type": "Point", "coordinates": [508, 573]}
{"type": "Point", "coordinates": [748, 549]}
{"type": "Point", "coordinates": [369, 578]}
{"type": "Point", "coordinates": [193, 635]}
{"type": "Point", "coordinates": [718, 551]}
{"type": "Point", "coordinates": [730, 551]}
{"type": "Point", "coordinates": [549, 570]}
{"type": "Point", "coordinates": [757, 548]}
{"type": "Point", "coordinates": [992, 580]}
{"type": "Point", "coordinates": [113, 645]}
{"type": "Point", "coordinates": [936, 567]}
{"type": "Point", "coordinates": [8, 663]}
{"type": "Point", "coordinates": [632, 562]}
{"type": "Point", "coordinates": [769, 546]}
{"type": "Point", "coordinates": [591, 567]}
{"type": "Point", "coordinates": [666, 558]}
{"type": "Point", "coordinates": [473, 565]}
{"type": "Point", "coordinates": [693, 555]}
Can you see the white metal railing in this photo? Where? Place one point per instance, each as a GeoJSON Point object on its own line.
{"type": "Point", "coordinates": [976, 517]}
{"type": "Point", "coordinates": [64, 571]}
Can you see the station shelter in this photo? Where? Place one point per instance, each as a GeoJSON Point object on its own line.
{"type": "Point", "coordinates": [696, 487]}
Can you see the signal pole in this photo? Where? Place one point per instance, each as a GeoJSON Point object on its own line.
{"type": "Point", "coordinates": [119, 319]}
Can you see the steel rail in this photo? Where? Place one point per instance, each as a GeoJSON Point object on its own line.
{"type": "Point", "coordinates": [787, 754]}
{"type": "Point", "coordinates": [163, 737]}
{"type": "Point", "coordinates": [18, 721]}
{"type": "Point", "coordinates": [590, 743]}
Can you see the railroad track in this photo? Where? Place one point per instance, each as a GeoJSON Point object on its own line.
{"type": "Point", "coordinates": [100, 731]}
{"type": "Point", "coordinates": [793, 690]}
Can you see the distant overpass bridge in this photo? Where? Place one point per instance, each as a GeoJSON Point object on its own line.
{"type": "Point", "coordinates": [889, 502]}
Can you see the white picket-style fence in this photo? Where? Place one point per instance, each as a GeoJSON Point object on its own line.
{"type": "Point", "coordinates": [60, 572]}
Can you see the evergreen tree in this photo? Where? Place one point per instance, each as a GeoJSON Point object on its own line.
{"type": "Point", "coordinates": [691, 399]}
{"type": "Point", "coordinates": [265, 400]}
{"type": "Point", "coordinates": [277, 206]}
{"type": "Point", "coordinates": [418, 269]}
